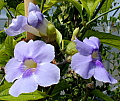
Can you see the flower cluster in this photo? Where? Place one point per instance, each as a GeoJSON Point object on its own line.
{"type": "Point", "coordinates": [35, 23]}
{"type": "Point", "coordinates": [31, 66]}
{"type": "Point", "coordinates": [87, 62]}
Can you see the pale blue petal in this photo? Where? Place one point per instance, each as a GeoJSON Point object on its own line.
{"type": "Point", "coordinates": [13, 70]}
{"type": "Point", "coordinates": [93, 42]}
{"type": "Point", "coordinates": [12, 64]}
{"type": "Point", "coordinates": [21, 50]}
{"type": "Point", "coordinates": [47, 74]}
{"type": "Point", "coordinates": [96, 41]}
{"type": "Point", "coordinates": [32, 30]}
{"type": "Point", "coordinates": [33, 7]}
{"type": "Point", "coordinates": [83, 65]}
{"type": "Point", "coordinates": [25, 84]}
{"type": "Point", "coordinates": [102, 75]}
{"type": "Point", "coordinates": [45, 52]}
{"type": "Point", "coordinates": [32, 19]}
{"type": "Point", "coordinates": [17, 26]}
{"type": "Point", "coordinates": [83, 48]}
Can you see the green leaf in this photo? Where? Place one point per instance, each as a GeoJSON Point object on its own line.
{"type": "Point", "coordinates": [2, 4]}
{"type": "Point", "coordinates": [20, 9]}
{"type": "Point", "coordinates": [3, 56]}
{"type": "Point", "coordinates": [105, 38]}
{"type": "Point", "coordinates": [59, 87]}
{"type": "Point", "coordinates": [105, 7]}
{"type": "Point", "coordinates": [4, 94]}
{"type": "Point", "coordinates": [98, 93]}
{"type": "Point", "coordinates": [90, 6]}
{"type": "Point", "coordinates": [9, 45]}
{"type": "Point", "coordinates": [71, 48]}
{"type": "Point", "coordinates": [58, 37]}
{"type": "Point", "coordinates": [51, 3]}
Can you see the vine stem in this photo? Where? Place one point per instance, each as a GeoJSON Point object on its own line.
{"type": "Point", "coordinates": [6, 9]}
{"type": "Point", "coordinates": [26, 4]}
{"type": "Point", "coordinates": [2, 80]}
{"type": "Point", "coordinates": [42, 5]}
{"type": "Point", "coordinates": [98, 17]}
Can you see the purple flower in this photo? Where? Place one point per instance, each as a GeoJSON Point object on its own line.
{"type": "Point", "coordinates": [35, 23]}
{"type": "Point", "coordinates": [20, 25]}
{"type": "Point", "coordinates": [87, 62]}
{"type": "Point", "coordinates": [36, 19]}
{"type": "Point", "coordinates": [31, 67]}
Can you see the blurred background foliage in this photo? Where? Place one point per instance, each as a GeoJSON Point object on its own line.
{"type": "Point", "coordinates": [70, 17]}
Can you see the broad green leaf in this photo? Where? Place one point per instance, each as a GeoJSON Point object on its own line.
{"type": "Point", "coordinates": [71, 48]}
{"type": "Point", "coordinates": [99, 94]}
{"type": "Point", "coordinates": [3, 56]}
{"type": "Point", "coordinates": [4, 94]}
{"type": "Point", "coordinates": [5, 86]}
{"type": "Point", "coordinates": [20, 9]}
{"type": "Point", "coordinates": [90, 6]}
{"type": "Point", "coordinates": [105, 38]}
{"type": "Point", "coordinates": [2, 31]}
{"type": "Point", "coordinates": [2, 4]}
{"type": "Point", "coordinates": [13, 11]}
{"type": "Point", "coordinates": [9, 45]}
{"type": "Point", "coordinates": [51, 3]}
{"type": "Point", "coordinates": [58, 37]}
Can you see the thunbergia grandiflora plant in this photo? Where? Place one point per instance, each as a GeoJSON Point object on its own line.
{"type": "Point", "coordinates": [31, 67]}
{"type": "Point", "coordinates": [46, 68]}
{"type": "Point", "coordinates": [35, 23]}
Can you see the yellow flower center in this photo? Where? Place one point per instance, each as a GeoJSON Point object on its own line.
{"type": "Point", "coordinates": [30, 64]}
{"type": "Point", "coordinates": [95, 55]}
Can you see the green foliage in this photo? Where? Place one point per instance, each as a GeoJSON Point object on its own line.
{"type": "Point", "coordinates": [58, 37]}
{"type": "Point", "coordinates": [53, 2]}
{"type": "Point", "coordinates": [59, 87]}
{"type": "Point", "coordinates": [2, 4]}
{"type": "Point", "coordinates": [4, 94]}
{"type": "Point", "coordinates": [71, 48]}
{"type": "Point", "coordinates": [3, 57]}
{"type": "Point", "coordinates": [19, 10]}
{"type": "Point", "coordinates": [9, 45]}
{"type": "Point", "coordinates": [90, 6]}
{"type": "Point", "coordinates": [99, 94]}
{"type": "Point", "coordinates": [105, 38]}
{"type": "Point", "coordinates": [105, 7]}
{"type": "Point", "coordinates": [68, 17]}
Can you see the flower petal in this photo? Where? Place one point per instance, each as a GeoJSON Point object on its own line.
{"type": "Point", "coordinates": [42, 27]}
{"type": "Point", "coordinates": [33, 7]}
{"type": "Point", "coordinates": [83, 48]}
{"type": "Point", "coordinates": [96, 41]}
{"type": "Point", "coordinates": [102, 75]}
{"type": "Point", "coordinates": [20, 52]}
{"type": "Point", "coordinates": [13, 70]}
{"type": "Point", "coordinates": [12, 64]}
{"type": "Point", "coordinates": [45, 52]}
{"type": "Point", "coordinates": [25, 84]}
{"type": "Point", "coordinates": [47, 74]}
{"type": "Point", "coordinates": [82, 65]}
{"type": "Point", "coordinates": [32, 19]}
{"type": "Point", "coordinates": [32, 30]}
{"type": "Point", "coordinates": [92, 41]}
{"type": "Point", "coordinates": [17, 26]}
